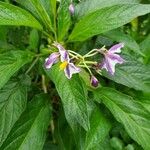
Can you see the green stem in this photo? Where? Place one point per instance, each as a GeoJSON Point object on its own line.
{"type": "Point", "coordinates": [44, 84]}
{"type": "Point", "coordinates": [90, 62]}
{"type": "Point", "coordinates": [87, 68]}
{"type": "Point", "coordinates": [85, 56]}
{"type": "Point", "coordinates": [94, 50]}
{"type": "Point", "coordinates": [32, 65]}
{"type": "Point", "coordinates": [78, 55]}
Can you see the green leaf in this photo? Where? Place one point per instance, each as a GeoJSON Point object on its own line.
{"type": "Point", "coordinates": [12, 61]}
{"type": "Point", "coordinates": [29, 132]}
{"type": "Point", "coordinates": [64, 133]}
{"type": "Point", "coordinates": [40, 9]}
{"type": "Point", "coordinates": [99, 129]}
{"type": "Point", "coordinates": [13, 98]}
{"type": "Point", "coordinates": [86, 7]}
{"type": "Point", "coordinates": [132, 74]}
{"type": "Point", "coordinates": [117, 143]}
{"type": "Point", "coordinates": [52, 10]}
{"type": "Point", "coordinates": [106, 19]}
{"type": "Point", "coordinates": [145, 48]}
{"type": "Point", "coordinates": [73, 96]}
{"type": "Point", "coordinates": [12, 15]}
{"type": "Point", "coordinates": [34, 39]}
{"type": "Point", "coordinates": [129, 42]}
{"type": "Point", "coordinates": [64, 19]}
{"type": "Point", "coordinates": [134, 117]}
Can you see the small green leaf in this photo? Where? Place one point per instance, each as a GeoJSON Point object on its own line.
{"type": "Point", "coordinates": [29, 132]}
{"type": "Point", "coordinates": [12, 15]}
{"type": "Point", "coordinates": [131, 113]}
{"type": "Point", "coordinates": [12, 61]}
{"type": "Point", "coordinates": [73, 96]}
{"type": "Point", "coordinates": [132, 74]}
{"type": "Point", "coordinates": [13, 98]}
{"type": "Point", "coordinates": [106, 19]}
{"type": "Point", "coordinates": [64, 19]}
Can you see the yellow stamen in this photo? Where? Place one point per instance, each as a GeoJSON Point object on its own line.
{"type": "Point", "coordinates": [63, 65]}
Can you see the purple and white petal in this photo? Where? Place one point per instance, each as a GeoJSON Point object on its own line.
{"type": "Point", "coordinates": [110, 61]}
{"type": "Point", "coordinates": [64, 56]}
{"type": "Point", "coordinates": [116, 58]}
{"type": "Point", "coordinates": [110, 64]}
{"type": "Point", "coordinates": [70, 70]}
{"type": "Point", "coordinates": [52, 59]}
{"type": "Point", "coordinates": [103, 65]}
{"type": "Point", "coordinates": [116, 48]}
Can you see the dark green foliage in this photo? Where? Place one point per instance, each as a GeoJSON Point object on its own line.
{"type": "Point", "coordinates": [41, 109]}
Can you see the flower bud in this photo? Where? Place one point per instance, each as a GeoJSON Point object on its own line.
{"type": "Point", "coordinates": [94, 81]}
{"type": "Point", "coordinates": [71, 9]}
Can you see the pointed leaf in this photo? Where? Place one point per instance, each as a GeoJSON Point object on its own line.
{"type": "Point", "coordinates": [106, 19]}
{"type": "Point", "coordinates": [29, 132]}
{"type": "Point", "coordinates": [64, 19]}
{"type": "Point", "coordinates": [131, 113]}
{"type": "Point", "coordinates": [40, 9]}
{"type": "Point", "coordinates": [13, 98]}
{"type": "Point", "coordinates": [73, 96]}
{"type": "Point", "coordinates": [12, 15]}
{"type": "Point", "coordinates": [86, 7]}
{"type": "Point", "coordinates": [99, 128]}
{"type": "Point", "coordinates": [12, 61]}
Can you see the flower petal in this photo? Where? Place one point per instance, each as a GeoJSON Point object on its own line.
{"type": "Point", "coordinates": [116, 48]}
{"type": "Point", "coordinates": [53, 58]}
{"type": "Point", "coordinates": [106, 65]}
{"type": "Point", "coordinates": [64, 56]}
{"type": "Point", "coordinates": [116, 58]}
{"type": "Point", "coordinates": [70, 70]}
{"type": "Point", "coordinates": [110, 61]}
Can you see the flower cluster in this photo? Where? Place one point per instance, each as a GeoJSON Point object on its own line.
{"type": "Point", "coordinates": [70, 67]}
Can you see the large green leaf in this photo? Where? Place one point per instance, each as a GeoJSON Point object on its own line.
{"type": "Point", "coordinates": [132, 74]}
{"type": "Point", "coordinates": [64, 19]}
{"type": "Point", "coordinates": [99, 128]}
{"type": "Point", "coordinates": [40, 9]}
{"type": "Point", "coordinates": [13, 98]}
{"type": "Point", "coordinates": [106, 19]}
{"type": "Point", "coordinates": [12, 15]}
{"type": "Point", "coordinates": [29, 132]}
{"type": "Point", "coordinates": [129, 42]}
{"type": "Point", "coordinates": [73, 96]}
{"type": "Point", "coordinates": [12, 61]}
{"type": "Point", "coordinates": [88, 6]}
{"type": "Point", "coordinates": [132, 114]}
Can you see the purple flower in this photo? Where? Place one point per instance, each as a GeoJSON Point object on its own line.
{"type": "Point", "coordinates": [68, 67]}
{"type": "Point", "coordinates": [111, 58]}
{"type": "Point", "coordinates": [52, 59]}
{"type": "Point", "coordinates": [94, 81]}
{"type": "Point", "coordinates": [71, 9]}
